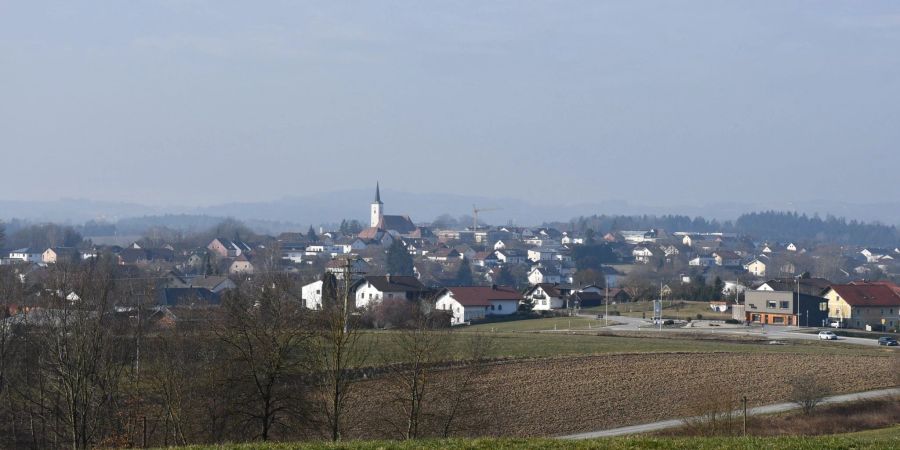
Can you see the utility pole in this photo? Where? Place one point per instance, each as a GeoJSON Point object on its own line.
{"type": "Point", "coordinates": [348, 281]}
{"type": "Point", "coordinates": [744, 401]}
{"type": "Point", "coordinates": [606, 302]}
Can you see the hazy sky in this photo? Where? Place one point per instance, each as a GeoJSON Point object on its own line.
{"type": "Point", "coordinates": [198, 102]}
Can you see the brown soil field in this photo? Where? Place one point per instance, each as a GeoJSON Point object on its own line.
{"type": "Point", "coordinates": [557, 396]}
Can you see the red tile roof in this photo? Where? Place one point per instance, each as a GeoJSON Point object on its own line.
{"type": "Point", "coordinates": [867, 294]}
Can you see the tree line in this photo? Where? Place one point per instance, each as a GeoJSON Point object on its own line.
{"type": "Point", "coordinates": [766, 225]}
{"type": "Point", "coordinates": [99, 365]}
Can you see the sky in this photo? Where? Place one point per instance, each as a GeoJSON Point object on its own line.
{"type": "Point", "coordinates": [197, 102]}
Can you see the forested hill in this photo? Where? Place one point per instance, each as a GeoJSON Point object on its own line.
{"type": "Point", "coordinates": [767, 225]}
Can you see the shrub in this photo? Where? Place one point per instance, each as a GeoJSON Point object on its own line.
{"type": "Point", "coordinates": [732, 321]}
{"type": "Point", "coordinates": [807, 392]}
{"type": "Point", "coordinates": [699, 316]}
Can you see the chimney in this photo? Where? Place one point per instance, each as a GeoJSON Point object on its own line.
{"type": "Point", "coordinates": [388, 277]}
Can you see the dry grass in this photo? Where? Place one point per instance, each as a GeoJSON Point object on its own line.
{"type": "Point", "coordinates": [829, 419]}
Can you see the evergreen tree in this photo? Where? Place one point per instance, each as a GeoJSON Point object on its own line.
{"type": "Point", "coordinates": [399, 261]}
{"type": "Point", "coordinates": [311, 235]}
{"type": "Point", "coordinates": [329, 290]}
{"type": "Point", "coordinates": [2, 234]}
{"type": "Point", "coordinates": [464, 273]}
{"type": "Point", "coordinates": [505, 277]}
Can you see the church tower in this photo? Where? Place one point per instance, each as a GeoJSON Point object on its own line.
{"type": "Point", "coordinates": [377, 207]}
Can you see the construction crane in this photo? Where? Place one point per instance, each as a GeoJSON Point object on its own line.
{"type": "Point", "coordinates": [475, 211]}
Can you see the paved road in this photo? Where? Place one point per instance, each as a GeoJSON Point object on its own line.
{"type": "Point", "coordinates": [771, 332]}
{"type": "Point", "coordinates": [768, 409]}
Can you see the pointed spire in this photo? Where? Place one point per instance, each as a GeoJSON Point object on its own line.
{"type": "Point", "coordinates": [377, 193]}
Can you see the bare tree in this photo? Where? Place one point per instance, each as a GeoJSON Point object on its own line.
{"type": "Point", "coordinates": [267, 341]}
{"type": "Point", "coordinates": [460, 393]}
{"type": "Point", "coordinates": [337, 348]}
{"type": "Point", "coordinates": [80, 360]}
{"type": "Point", "coordinates": [808, 392]}
{"type": "Point", "coordinates": [419, 347]}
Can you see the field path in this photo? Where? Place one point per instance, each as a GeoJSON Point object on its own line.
{"type": "Point", "coordinates": [767, 409]}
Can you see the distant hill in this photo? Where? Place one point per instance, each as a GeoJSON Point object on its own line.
{"type": "Point", "coordinates": [332, 207]}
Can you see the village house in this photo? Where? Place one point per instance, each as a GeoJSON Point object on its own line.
{"type": "Point", "coordinates": [781, 308]}
{"type": "Point", "coordinates": [468, 303]}
{"type": "Point", "coordinates": [542, 254]}
{"type": "Point", "coordinates": [544, 274]}
{"type": "Point", "coordinates": [725, 258]}
{"type": "Point", "coordinates": [26, 255]}
{"type": "Point", "coordinates": [510, 256]}
{"type": "Point", "coordinates": [370, 289]}
{"type": "Point", "coordinates": [756, 267]}
{"type": "Point", "coordinates": [642, 254]}
{"type": "Point", "coordinates": [869, 306]}
{"type": "Point", "coordinates": [547, 296]}
{"type": "Point", "coordinates": [227, 248]}
{"type": "Point", "coordinates": [59, 254]}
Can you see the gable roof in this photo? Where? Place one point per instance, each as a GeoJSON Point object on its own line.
{"type": "Point", "coordinates": [482, 295]}
{"type": "Point", "coordinates": [392, 283]}
{"type": "Point", "coordinates": [867, 294]}
{"type": "Point", "coordinates": [551, 289]}
{"type": "Point", "coordinates": [400, 224]}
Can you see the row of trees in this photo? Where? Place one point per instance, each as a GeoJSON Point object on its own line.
{"type": "Point", "coordinates": [99, 369]}
{"type": "Point", "coordinates": [767, 225]}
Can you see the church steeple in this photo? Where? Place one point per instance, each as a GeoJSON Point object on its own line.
{"type": "Point", "coordinates": [377, 207]}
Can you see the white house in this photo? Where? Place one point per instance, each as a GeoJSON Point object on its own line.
{"type": "Point", "coordinates": [510, 256]}
{"type": "Point", "coordinates": [702, 261]}
{"type": "Point", "coordinates": [370, 289]}
{"type": "Point", "coordinates": [756, 267]}
{"type": "Point", "coordinates": [312, 295]}
{"type": "Point", "coordinates": [27, 255]}
{"type": "Point", "coordinates": [642, 254]}
{"type": "Point", "coordinates": [541, 254]}
{"type": "Point", "coordinates": [546, 296]}
{"type": "Point", "coordinates": [467, 303]}
{"type": "Point", "coordinates": [499, 245]}
{"type": "Point", "coordinates": [540, 274]}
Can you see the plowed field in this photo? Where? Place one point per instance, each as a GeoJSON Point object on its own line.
{"type": "Point", "coordinates": [568, 395]}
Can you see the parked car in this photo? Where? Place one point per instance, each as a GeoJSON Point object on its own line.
{"type": "Point", "coordinates": [827, 336]}
{"type": "Point", "coordinates": [887, 340]}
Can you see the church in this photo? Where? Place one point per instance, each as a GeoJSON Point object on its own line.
{"type": "Point", "coordinates": [379, 223]}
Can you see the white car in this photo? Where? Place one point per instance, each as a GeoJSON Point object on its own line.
{"type": "Point", "coordinates": [827, 336]}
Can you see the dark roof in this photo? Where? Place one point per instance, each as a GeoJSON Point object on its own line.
{"type": "Point", "coordinates": [867, 294]}
{"type": "Point", "coordinates": [393, 283]}
{"type": "Point", "coordinates": [552, 289]}
{"type": "Point", "coordinates": [400, 224]}
{"type": "Point", "coordinates": [187, 296]}
{"type": "Point", "coordinates": [587, 296]}
{"type": "Point", "coordinates": [811, 286]}
{"type": "Point", "coordinates": [208, 281]}
{"type": "Point", "coordinates": [482, 295]}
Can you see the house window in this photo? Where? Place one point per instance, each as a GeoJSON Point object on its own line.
{"type": "Point", "coordinates": [500, 308]}
{"type": "Point", "coordinates": [784, 305]}
{"type": "Point", "coordinates": [492, 307]}
{"type": "Point", "coordinates": [318, 291]}
{"type": "Point", "coordinates": [823, 306]}
{"type": "Point", "coordinates": [771, 304]}
{"type": "Point", "coordinates": [778, 319]}
{"type": "Point", "coordinates": [753, 306]}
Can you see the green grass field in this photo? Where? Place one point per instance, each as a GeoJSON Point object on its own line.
{"type": "Point", "coordinates": [547, 324]}
{"type": "Point", "coordinates": [537, 345]}
{"type": "Point", "coordinates": [671, 310]}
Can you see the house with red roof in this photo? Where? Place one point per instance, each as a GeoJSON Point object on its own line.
{"type": "Point", "coordinates": [864, 305]}
{"type": "Point", "coordinates": [468, 303]}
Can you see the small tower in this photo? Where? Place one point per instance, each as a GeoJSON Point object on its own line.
{"type": "Point", "coordinates": [377, 207]}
